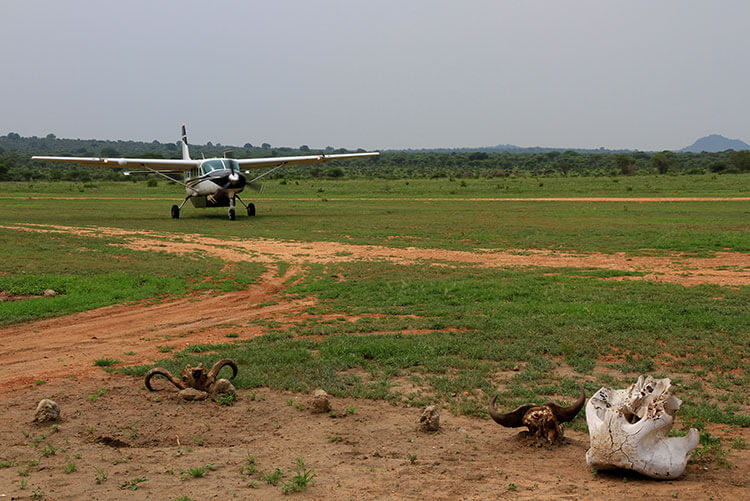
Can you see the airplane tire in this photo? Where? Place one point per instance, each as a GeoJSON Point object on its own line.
{"type": "Point", "coordinates": [175, 212]}
{"type": "Point", "coordinates": [251, 209]}
{"type": "Point", "coordinates": [231, 215]}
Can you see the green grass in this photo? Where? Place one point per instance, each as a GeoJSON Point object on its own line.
{"type": "Point", "coordinates": [296, 211]}
{"type": "Point", "coordinates": [520, 186]}
{"type": "Point", "coordinates": [106, 362]}
{"type": "Point", "coordinates": [198, 472]}
{"type": "Point", "coordinates": [548, 324]}
{"type": "Point", "coordinates": [89, 273]}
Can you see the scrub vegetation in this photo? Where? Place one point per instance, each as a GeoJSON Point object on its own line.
{"type": "Point", "coordinates": [15, 164]}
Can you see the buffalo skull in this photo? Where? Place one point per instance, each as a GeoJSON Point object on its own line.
{"type": "Point", "coordinates": [543, 421]}
{"type": "Point", "coordinates": [197, 378]}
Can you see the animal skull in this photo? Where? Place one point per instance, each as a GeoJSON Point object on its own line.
{"type": "Point", "coordinates": [197, 378]}
{"type": "Point", "coordinates": [542, 421]}
{"type": "Point", "coordinates": [628, 429]}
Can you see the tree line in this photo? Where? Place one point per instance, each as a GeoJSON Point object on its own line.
{"type": "Point", "coordinates": [16, 164]}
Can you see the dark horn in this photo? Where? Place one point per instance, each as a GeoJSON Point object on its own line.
{"type": "Point", "coordinates": [512, 419]}
{"type": "Point", "coordinates": [156, 371]}
{"type": "Point", "coordinates": [565, 414]}
{"type": "Point", "coordinates": [219, 365]}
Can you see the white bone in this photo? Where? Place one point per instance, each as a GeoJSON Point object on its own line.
{"type": "Point", "coordinates": [628, 429]}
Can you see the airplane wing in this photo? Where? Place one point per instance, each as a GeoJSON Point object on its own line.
{"type": "Point", "coordinates": [157, 164]}
{"type": "Point", "coordinates": [259, 163]}
{"type": "Point", "coordinates": [183, 165]}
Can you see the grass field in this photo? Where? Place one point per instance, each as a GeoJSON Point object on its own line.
{"type": "Point", "coordinates": [403, 214]}
{"type": "Point", "coordinates": [562, 327]}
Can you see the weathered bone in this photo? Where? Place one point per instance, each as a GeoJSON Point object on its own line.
{"type": "Point", "coordinates": [197, 377]}
{"type": "Point", "coordinates": [162, 372]}
{"type": "Point", "coordinates": [219, 365]}
{"type": "Point", "coordinates": [542, 421]}
{"type": "Point", "coordinates": [628, 429]}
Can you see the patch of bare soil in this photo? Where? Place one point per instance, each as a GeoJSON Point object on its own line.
{"type": "Point", "coordinates": [68, 346]}
{"type": "Point", "coordinates": [725, 268]}
{"type": "Point", "coordinates": [150, 440]}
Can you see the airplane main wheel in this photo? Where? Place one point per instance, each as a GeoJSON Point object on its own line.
{"type": "Point", "coordinates": [232, 215]}
{"type": "Point", "coordinates": [251, 209]}
{"type": "Point", "coordinates": [175, 212]}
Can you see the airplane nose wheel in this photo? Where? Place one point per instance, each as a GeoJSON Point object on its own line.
{"type": "Point", "coordinates": [175, 212]}
{"type": "Point", "coordinates": [232, 215]}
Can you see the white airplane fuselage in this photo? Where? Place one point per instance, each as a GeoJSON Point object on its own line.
{"type": "Point", "coordinates": [216, 179]}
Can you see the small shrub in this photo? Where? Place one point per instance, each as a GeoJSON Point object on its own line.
{"type": "Point", "coordinates": [225, 399]}
{"type": "Point", "coordinates": [133, 484]}
{"type": "Point", "coordinates": [301, 479]}
{"type": "Point", "coordinates": [273, 478]}
{"type": "Point", "coordinates": [106, 362]}
{"type": "Point", "coordinates": [197, 472]}
{"type": "Point", "coordinates": [101, 475]}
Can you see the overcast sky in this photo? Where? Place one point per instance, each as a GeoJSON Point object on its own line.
{"type": "Point", "coordinates": [643, 74]}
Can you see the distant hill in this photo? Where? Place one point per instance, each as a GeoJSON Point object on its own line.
{"type": "Point", "coordinates": [715, 143]}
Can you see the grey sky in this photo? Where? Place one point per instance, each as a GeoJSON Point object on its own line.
{"type": "Point", "coordinates": [643, 74]}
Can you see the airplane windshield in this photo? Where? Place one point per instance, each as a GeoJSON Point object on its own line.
{"type": "Point", "coordinates": [219, 164]}
{"type": "Point", "coordinates": [210, 165]}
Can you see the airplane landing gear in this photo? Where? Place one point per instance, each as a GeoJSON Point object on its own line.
{"type": "Point", "coordinates": [232, 215]}
{"type": "Point", "coordinates": [250, 207]}
{"type": "Point", "coordinates": [176, 209]}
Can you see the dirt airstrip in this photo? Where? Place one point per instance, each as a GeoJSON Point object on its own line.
{"type": "Point", "coordinates": [146, 443]}
{"type": "Point", "coordinates": [725, 268]}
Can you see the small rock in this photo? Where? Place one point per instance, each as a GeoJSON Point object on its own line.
{"type": "Point", "coordinates": [430, 419]}
{"type": "Point", "coordinates": [47, 410]}
{"type": "Point", "coordinates": [221, 387]}
{"type": "Point", "coordinates": [516, 368]}
{"type": "Point", "coordinates": [49, 293]}
{"type": "Point", "coordinates": [319, 402]}
{"type": "Point", "coordinates": [190, 394]}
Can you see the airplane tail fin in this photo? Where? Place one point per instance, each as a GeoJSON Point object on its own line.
{"type": "Point", "coordinates": [185, 150]}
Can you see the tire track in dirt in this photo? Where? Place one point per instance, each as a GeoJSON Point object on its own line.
{"type": "Point", "coordinates": [725, 268]}
{"type": "Point", "coordinates": [67, 346]}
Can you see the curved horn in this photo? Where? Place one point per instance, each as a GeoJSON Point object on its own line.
{"type": "Point", "coordinates": [511, 419]}
{"type": "Point", "coordinates": [218, 366]}
{"type": "Point", "coordinates": [564, 414]}
{"type": "Point", "coordinates": [163, 372]}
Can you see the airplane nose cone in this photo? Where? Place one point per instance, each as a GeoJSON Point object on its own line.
{"type": "Point", "coordinates": [237, 181]}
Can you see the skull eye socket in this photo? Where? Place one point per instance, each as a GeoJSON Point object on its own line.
{"type": "Point", "coordinates": [630, 417]}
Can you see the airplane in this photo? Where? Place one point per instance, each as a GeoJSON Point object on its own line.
{"type": "Point", "coordinates": [209, 182]}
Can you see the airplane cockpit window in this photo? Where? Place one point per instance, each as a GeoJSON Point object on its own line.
{"type": "Point", "coordinates": [210, 165]}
